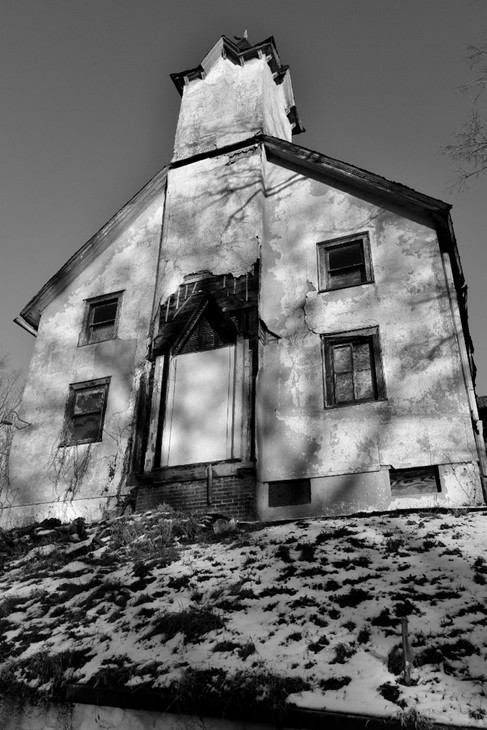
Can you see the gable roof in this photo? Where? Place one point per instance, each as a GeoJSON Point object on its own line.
{"type": "Point", "coordinates": [360, 182]}
{"type": "Point", "coordinates": [30, 315]}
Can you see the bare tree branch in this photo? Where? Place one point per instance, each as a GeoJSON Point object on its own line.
{"type": "Point", "coordinates": [469, 148]}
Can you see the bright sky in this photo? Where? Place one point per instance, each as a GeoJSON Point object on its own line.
{"type": "Point", "coordinates": [89, 113]}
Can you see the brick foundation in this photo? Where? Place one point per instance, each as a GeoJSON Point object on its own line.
{"type": "Point", "coordinates": [233, 496]}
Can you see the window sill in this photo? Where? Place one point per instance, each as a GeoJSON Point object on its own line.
{"type": "Point", "coordinates": [86, 344]}
{"type": "Point", "coordinates": [346, 286]}
{"type": "Point", "coordinates": [331, 406]}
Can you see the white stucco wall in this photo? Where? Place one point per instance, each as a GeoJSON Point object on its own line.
{"type": "Point", "coordinates": [425, 418]}
{"type": "Point", "coordinates": [47, 479]}
{"type": "Point", "coordinates": [232, 103]}
{"type": "Point", "coordinates": [215, 218]}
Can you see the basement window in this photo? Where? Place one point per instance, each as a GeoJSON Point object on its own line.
{"type": "Point", "coordinates": [415, 480]}
{"type": "Point", "coordinates": [289, 492]}
{"type": "Point", "coordinates": [344, 262]}
{"type": "Point", "coordinates": [352, 367]}
{"type": "Point", "coordinates": [101, 319]}
{"type": "Point", "coordinates": [85, 411]}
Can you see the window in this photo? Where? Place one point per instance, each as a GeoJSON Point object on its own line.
{"type": "Point", "coordinates": [417, 480]}
{"type": "Point", "coordinates": [289, 492]}
{"type": "Point", "coordinates": [344, 262]}
{"type": "Point", "coordinates": [101, 319]}
{"type": "Point", "coordinates": [352, 367]}
{"type": "Point", "coordinates": [85, 411]}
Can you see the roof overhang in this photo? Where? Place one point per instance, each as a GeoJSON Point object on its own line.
{"type": "Point", "coordinates": [30, 315]}
{"type": "Point", "coordinates": [405, 200]}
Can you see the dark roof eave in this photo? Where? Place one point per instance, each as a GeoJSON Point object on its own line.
{"type": "Point", "coordinates": [288, 153]}
{"type": "Point", "coordinates": [356, 176]}
{"type": "Point", "coordinates": [30, 315]}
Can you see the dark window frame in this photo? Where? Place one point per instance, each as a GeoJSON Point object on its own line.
{"type": "Point", "coordinates": [86, 336]}
{"type": "Point", "coordinates": [71, 418]}
{"type": "Point", "coordinates": [369, 335]}
{"type": "Point", "coordinates": [325, 272]}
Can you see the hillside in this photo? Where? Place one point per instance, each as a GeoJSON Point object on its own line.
{"type": "Point", "coordinates": [307, 612]}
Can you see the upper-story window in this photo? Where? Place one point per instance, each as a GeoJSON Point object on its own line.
{"type": "Point", "coordinates": [344, 262]}
{"type": "Point", "coordinates": [101, 319]}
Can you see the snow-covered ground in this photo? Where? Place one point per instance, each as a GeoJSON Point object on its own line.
{"type": "Point", "coordinates": [311, 609]}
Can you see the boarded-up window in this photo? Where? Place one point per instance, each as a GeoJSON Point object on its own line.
{"type": "Point", "coordinates": [344, 262]}
{"type": "Point", "coordinates": [417, 480]}
{"type": "Point", "coordinates": [101, 319]}
{"type": "Point", "coordinates": [289, 492]}
{"type": "Point", "coordinates": [352, 367]}
{"type": "Point", "coordinates": [201, 406]}
{"type": "Point", "coordinates": [85, 411]}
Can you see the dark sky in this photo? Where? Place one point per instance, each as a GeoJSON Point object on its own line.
{"type": "Point", "coordinates": [88, 113]}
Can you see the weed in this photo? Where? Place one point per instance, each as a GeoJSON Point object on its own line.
{"type": "Point", "coordinates": [404, 608]}
{"type": "Point", "coordinates": [214, 690]}
{"type": "Point", "coordinates": [384, 619]}
{"type": "Point", "coordinates": [277, 591]}
{"type": "Point", "coordinates": [114, 673]}
{"type": "Point", "coordinates": [363, 636]}
{"type": "Point", "coordinates": [342, 653]}
{"type": "Point", "coordinates": [393, 544]}
{"type": "Point", "coordinates": [319, 645]}
{"type": "Point", "coordinates": [478, 714]}
{"type": "Point", "coordinates": [307, 552]}
{"type": "Point", "coordinates": [334, 683]}
{"type": "Point", "coordinates": [10, 604]}
{"type": "Point", "coordinates": [353, 598]}
{"type": "Point", "coordinates": [413, 720]}
{"type": "Point", "coordinates": [193, 623]}
{"type": "Point", "coordinates": [336, 534]}
{"type": "Point", "coordinates": [283, 554]}
{"type": "Point", "coordinates": [24, 678]}
{"type": "Point", "coordinates": [480, 565]}
{"type": "Point", "coordinates": [362, 561]}
{"type": "Point", "coordinates": [391, 693]}
{"type": "Point", "coordinates": [178, 582]}
{"type": "Point", "coordinates": [246, 650]}
{"type": "Point", "coordinates": [331, 585]}
{"type": "Point", "coordinates": [303, 602]}
{"type": "Point", "coordinates": [295, 636]}
{"type": "Point", "coordinates": [226, 646]}
{"type": "Point", "coordinates": [395, 660]}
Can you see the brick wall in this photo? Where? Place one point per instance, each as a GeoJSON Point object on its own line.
{"type": "Point", "coordinates": [233, 496]}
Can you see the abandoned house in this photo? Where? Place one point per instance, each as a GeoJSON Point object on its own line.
{"type": "Point", "coordinates": [262, 331]}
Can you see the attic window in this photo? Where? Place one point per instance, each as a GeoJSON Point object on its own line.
{"type": "Point", "coordinates": [101, 319]}
{"type": "Point", "coordinates": [344, 262]}
{"type": "Point", "coordinates": [85, 411]}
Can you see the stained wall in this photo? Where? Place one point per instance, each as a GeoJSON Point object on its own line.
{"type": "Point", "coordinates": [46, 478]}
{"type": "Point", "coordinates": [424, 418]}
